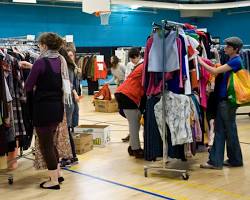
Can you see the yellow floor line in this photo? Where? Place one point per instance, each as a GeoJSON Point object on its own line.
{"type": "Point", "coordinates": [210, 189]}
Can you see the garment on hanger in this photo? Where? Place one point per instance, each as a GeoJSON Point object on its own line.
{"type": "Point", "coordinates": [91, 68]}
{"type": "Point", "coordinates": [184, 114]}
{"type": "Point", "coordinates": [163, 43]}
{"type": "Point", "coordinates": [152, 137]}
{"type": "Point", "coordinates": [178, 115]}
{"type": "Point", "coordinates": [12, 99]}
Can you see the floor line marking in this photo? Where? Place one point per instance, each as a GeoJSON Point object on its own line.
{"type": "Point", "coordinates": [119, 184]}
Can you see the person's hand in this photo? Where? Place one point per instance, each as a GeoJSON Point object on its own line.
{"type": "Point", "coordinates": [25, 65]}
{"type": "Point", "coordinates": [200, 60]}
{"type": "Point", "coordinates": [77, 98]}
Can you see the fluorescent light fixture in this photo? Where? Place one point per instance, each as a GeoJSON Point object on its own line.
{"type": "Point", "coordinates": [24, 1]}
{"type": "Point", "coordinates": [134, 7]}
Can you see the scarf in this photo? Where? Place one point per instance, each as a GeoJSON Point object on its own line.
{"type": "Point", "coordinates": [64, 72]}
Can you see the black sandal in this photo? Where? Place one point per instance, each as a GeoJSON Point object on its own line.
{"type": "Point", "coordinates": [54, 187]}
{"type": "Point", "coordinates": [60, 179]}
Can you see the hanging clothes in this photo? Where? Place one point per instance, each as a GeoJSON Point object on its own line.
{"type": "Point", "coordinates": [178, 117]}
{"type": "Point", "coordinates": [155, 57]}
{"type": "Point", "coordinates": [91, 68]}
{"type": "Point", "coordinates": [100, 70]}
{"type": "Point", "coordinates": [162, 44]}
{"type": "Point", "coordinates": [187, 85]}
{"type": "Point", "coordinates": [205, 76]}
{"type": "Point", "coordinates": [13, 100]}
{"type": "Point", "coordinates": [152, 137]}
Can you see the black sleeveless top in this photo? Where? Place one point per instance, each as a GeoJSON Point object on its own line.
{"type": "Point", "coordinates": [48, 98]}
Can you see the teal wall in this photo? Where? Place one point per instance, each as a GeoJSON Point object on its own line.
{"type": "Point", "coordinates": [231, 22]}
{"type": "Point", "coordinates": [126, 28]}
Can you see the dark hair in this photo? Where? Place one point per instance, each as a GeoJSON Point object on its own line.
{"type": "Point", "coordinates": [69, 61]}
{"type": "Point", "coordinates": [115, 62]}
{"type": "Point", "coordinates": [51, 40]}
{"type": "Point", "coordinates": [134, 53]}
{"type": "Point", "coordinates": [68, 49]}
{"type": "Point", "coordinates": [236, 48]}
{"type": "Point", "coordinates": [71, 45]}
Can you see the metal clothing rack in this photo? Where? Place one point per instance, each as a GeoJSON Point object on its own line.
{"type": "Point", "coordinates": [9, 42]}
{"type": "Point", "coordinates": [10, 177]}
{"type": "Point", "coordinates": [87, 54]}
{"type": "Point", "coordinates": [22, 155]}
{"type": "Point", "coordinates": [163, 167]}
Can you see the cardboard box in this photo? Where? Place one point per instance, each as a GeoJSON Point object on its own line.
{"type": "Point", "coordinates": [101, 133]}
{"type": "Point", "coordinates": [83, 142]}
{"type": "Point", "coordinates": [106, 106]}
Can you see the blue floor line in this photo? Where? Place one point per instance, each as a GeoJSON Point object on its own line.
{"type": "Point", "coordinates": [119, 184]}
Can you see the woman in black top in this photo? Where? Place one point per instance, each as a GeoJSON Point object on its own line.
{"type": "Point", "coordinates": [49, 81]}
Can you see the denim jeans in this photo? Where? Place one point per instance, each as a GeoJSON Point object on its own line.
{"type": "Point", "coordinates": [226, 132]}
{"type": "Point", "coordinates": [69, 113]}
{"type": "Point", "coordinates": [75, 116]}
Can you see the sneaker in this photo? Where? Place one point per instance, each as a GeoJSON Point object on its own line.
{"type": "Point", "coordinates": [130, 151]}
{"type": "Point", "coordinates": [74, 161]}
{"type": "Point", "coordinates": [139, 153]}
{"type": "Point", "coordinates": [65, 163]}
{"type": "Point", "coordinates": [208, 166]}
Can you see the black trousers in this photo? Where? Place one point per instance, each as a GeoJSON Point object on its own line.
{"type": "Point", "coordinates": [48, 149]}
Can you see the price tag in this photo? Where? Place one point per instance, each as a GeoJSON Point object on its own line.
{"type": "Point", "coordinates": [100, 66]}
{"type": "Point", "coordinates": [69, 38]}
{"type": "Point", "coordinates": [31, 37]}
{"type": "Point", "coordinates": [100, 58]}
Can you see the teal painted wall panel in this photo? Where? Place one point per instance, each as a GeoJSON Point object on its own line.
{"type": "Point", "coordinates": [224, 24]}
{"type": "Point", "coordinates": [126, 29]}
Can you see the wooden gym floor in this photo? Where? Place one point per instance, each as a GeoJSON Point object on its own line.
{"type": "Point", "coordinates": [110, 174]}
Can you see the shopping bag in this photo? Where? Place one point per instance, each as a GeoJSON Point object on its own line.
{"type": "Point", "coordinates": [239, 88]}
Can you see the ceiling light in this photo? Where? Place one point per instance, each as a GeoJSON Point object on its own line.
{"type": "Point", "coordinates": [134, 7]}
{"type": "Point", "coordinates": [24, 1]}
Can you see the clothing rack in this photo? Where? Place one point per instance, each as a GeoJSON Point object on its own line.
{"type": "Point", "coordinates": [163, 167]}
{"type": "Point", "coordinates": [88, 54]}
{"type": "Point", "coordinates": [245, 45]}
{"type": "Point", "coordinates": [10, 177]}
{"type": "Point", "coordinates": [10, 42]}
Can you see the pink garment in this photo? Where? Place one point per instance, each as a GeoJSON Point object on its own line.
{"type": "Point", "coordinates": [145, 63]}
{"type": "Point", "coordinates": [204, 79]}
{"type": "Point", "coordinates": [198, 131]}
{"type": "Point", "coordinates": [179, 46]}
{"type": "Point", "coordinates": [156, 89]}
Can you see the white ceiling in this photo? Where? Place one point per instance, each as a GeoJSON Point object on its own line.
{"type": "Point", "coordinates": [175, 6]}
